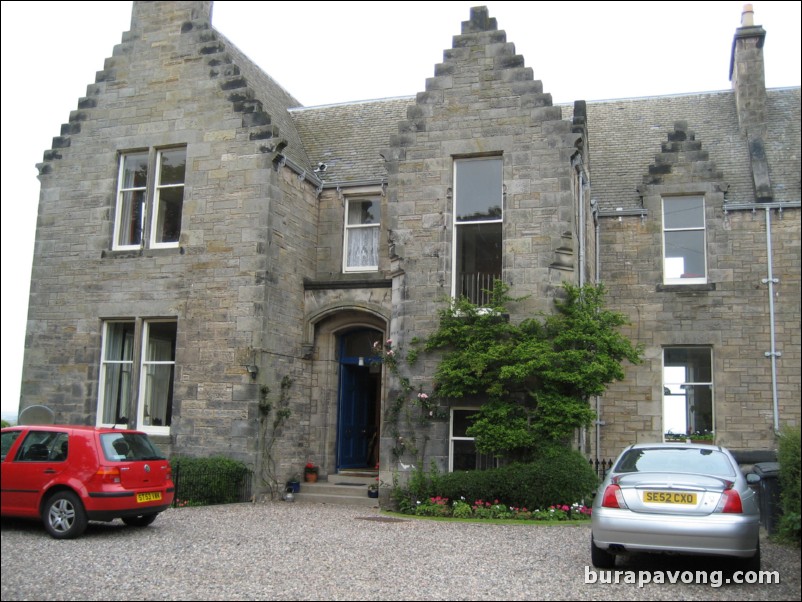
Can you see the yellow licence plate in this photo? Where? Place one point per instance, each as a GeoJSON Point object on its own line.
{"type": "Point", "coordinates": [153, 496]}
{"type": "Point", "coordinates": [669, 497]}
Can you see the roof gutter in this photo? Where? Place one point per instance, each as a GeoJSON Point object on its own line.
{"type": "Point", "coordinates": [303, 174]}
{"type": "Point", "coordinates": [381, 182]}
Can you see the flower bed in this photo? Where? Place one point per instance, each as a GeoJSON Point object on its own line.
{"type": "Point", "coordinates": [443, 507]}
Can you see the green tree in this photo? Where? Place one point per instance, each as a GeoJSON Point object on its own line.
{"type": "Point", "coordinates": [535, 378]}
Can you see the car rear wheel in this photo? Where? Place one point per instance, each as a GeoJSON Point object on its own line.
{"type": "Point", "coordinates": [64, 516]}
{"type": "Point", "coordinates": [601, 559]}
{"type": "Point", "coordinates": [143, 520]}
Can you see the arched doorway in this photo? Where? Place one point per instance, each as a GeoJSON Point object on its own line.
{"type": "Point", "coordinates": [359, 399]}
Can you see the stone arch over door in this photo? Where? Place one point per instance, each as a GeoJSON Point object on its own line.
{"type": "Point", "coordinates": [325, 345]}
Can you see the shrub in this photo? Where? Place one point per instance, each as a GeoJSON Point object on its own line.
{"type": "Point", "coordinates": [790, 457]}
{"type": "Point", "coordinates": [461, 509]}
{"type": "Point", "coordinates": [559, 477]}
{"type": "Point", "coordinates": [206, 481]}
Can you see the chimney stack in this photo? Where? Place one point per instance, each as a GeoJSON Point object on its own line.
{"type": "Point", "coordinates": [747, 74]}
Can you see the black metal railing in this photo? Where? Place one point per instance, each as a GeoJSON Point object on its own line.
{"type": "Point", "coordinates": [202, 486]}
{"type": "Point", "coordinates": [601, 466]}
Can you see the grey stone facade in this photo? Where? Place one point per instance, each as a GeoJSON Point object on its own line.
{"type": "Point", "coordinates": [258, 285]}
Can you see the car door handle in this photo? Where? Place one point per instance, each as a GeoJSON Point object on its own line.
{"type": "Point", "coordinates": [49, 471]}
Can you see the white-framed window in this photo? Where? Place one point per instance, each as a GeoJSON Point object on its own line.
{"type": "Point", "coordinates": [362, 226]}
{"type": "Point", "coordinates": [155, 406]}
{"type": "Point", "coordinates": [168, 202]}
{"type": "Point", "coordinates": [684, 256]}
{"type": "Point", "coordinates": [136, 202]}
{"type": "Point", "coordinates": [151, 402]}
{"type": "Point", "coordinates": [462, 454]}
{"type": "Point", "coordinates": [116, 373]}
{"type": "Point", "coordinates": [478, 201]}
{"type": "Point", "coordinates": [687, 391]}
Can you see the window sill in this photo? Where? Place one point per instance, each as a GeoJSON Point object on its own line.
{"type": "Point", "coordinates": [349, 281]}
{"type": "Point", "coordinates": [130, 254]}
{"type": "Point", "coordinates": [686, 288]}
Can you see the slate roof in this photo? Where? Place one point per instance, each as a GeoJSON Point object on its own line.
{"type": "Point", "coordinates": [625, 135]}
{"type": "Point", "coordinates": [349, 137]}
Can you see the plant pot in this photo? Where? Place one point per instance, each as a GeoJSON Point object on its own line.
{"type": "Point", "coordinates": [310, 477]}
{"type": "Point", "coordinates": [373, 493]}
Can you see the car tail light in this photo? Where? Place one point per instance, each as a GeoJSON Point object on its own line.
{"type": "Point", "coordinates": [730, 502]}
{"type": "Point", "coordinates": [613, 497]}
{"type": "Point", "coordinates": [108, 474]}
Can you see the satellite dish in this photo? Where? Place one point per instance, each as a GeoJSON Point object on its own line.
{"type": "Point", "coordinates": [36, 415]}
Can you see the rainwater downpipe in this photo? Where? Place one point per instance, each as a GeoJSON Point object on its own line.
{"type": "Point", "coordinates": [594, 209]}
{"type": "Point", "coordinates": [582, 229]}
{"type": "Point", "coordinates": [773, 353]}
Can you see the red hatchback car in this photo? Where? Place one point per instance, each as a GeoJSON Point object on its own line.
{"type": "Point", "coordinates": [69, 475]}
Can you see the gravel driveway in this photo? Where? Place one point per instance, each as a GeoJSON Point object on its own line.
{"type": "Point", "coordinates": [282, 551]}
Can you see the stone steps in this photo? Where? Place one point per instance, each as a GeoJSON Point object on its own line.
{"type": "Point", "coordinates": [347, 488]}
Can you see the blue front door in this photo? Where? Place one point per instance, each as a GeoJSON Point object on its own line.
{"type": "Point", "coordinates": [358, 426]}
{"type": "Point", "coordinates": [353, 417]}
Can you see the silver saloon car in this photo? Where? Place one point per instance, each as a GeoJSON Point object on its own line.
{"type": "Point", "coordinates": [675, 498]}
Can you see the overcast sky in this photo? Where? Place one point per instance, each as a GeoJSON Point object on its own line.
{"type": "Point", "coordinates": [332, 52]}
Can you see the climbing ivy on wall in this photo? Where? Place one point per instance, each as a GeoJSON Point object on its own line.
{"type": "Point", "coordinates": [271, 418]}
{"type": "Point", "coordinates": [534, 379]}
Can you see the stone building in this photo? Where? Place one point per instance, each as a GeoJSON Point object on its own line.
{"type": "Point", "coordinates": [210, 255]}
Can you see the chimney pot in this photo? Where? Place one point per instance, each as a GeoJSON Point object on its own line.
{"type": "Point", "coordinates": [748, 16]}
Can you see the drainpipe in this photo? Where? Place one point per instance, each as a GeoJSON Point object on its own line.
{"type": "Point", "coordinates": [594, 209]}
{"type": "Point", "coordinates": [581, 229]}
{"type": "Point", "coordinates": [773, 353]}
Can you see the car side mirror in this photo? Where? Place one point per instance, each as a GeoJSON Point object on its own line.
{"type": "Point", "coordinates": [752, 478]}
